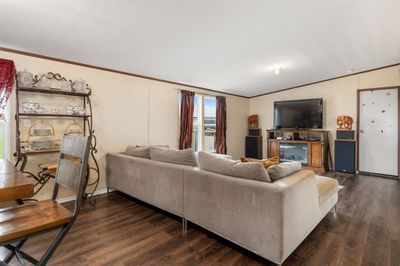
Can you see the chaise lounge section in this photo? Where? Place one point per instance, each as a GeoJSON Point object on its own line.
{"type": "Point", "coordinates": [269, 219]}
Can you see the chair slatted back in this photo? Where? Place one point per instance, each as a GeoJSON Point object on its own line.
{"type": "Point", "coordinates": [72, 165]}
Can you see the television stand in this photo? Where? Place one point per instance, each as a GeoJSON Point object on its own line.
{"type": "Point", "coordinates": [310, 147]}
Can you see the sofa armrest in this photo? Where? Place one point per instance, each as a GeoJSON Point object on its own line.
{"type": "Point", "coordinates": [300, 209]}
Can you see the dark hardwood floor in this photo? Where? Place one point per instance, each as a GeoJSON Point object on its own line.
{"type": "Point", "coordinates": [119, 230]}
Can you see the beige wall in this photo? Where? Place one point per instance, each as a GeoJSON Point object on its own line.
{"type": "Point", "coordinates": [340, 97]}
{"type": "Point", "coordinates": [129, 110]}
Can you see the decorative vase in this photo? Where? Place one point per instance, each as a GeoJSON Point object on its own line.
{"type": "Point", "coordinates": [79, 85]}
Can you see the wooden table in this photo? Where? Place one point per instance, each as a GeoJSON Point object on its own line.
{"type": "Point", "coordinates": [14, 185]}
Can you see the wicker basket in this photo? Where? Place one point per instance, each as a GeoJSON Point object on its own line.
{"type": "Point", "coordinates": [41, 136]}
{"type": "Point", "coordinates": [74, 129]}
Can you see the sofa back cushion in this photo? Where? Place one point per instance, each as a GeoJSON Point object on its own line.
{"type": "Point", "coordinates": [141, 151]}
{"type": "Point", "coordinates": [138, 151]}
{"type": "Point", "coordinates": [217, 164]}
{"type": "Point", "coordinates": [185, 157]}
{"type": "Point", "coordinates": [281, 170]}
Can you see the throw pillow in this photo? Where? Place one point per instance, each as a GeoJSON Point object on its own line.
{"type": "Point", "coordinates": [266, 162]}
{"type": "Point", "coordinates": [185, 157]}
{"type": "Point", "coordinates": [281, 170]}
{"type": "Point", "coordinates": [221, 165]}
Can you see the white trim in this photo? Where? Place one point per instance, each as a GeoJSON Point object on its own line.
{"type": "Point", "coordinates": [72, 198]}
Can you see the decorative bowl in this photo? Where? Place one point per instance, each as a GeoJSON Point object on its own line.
{"type": "Point", "coordinates": [25, 78]}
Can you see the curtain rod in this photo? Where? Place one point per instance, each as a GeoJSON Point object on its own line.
{"type": "Point", "coordinates": [202, 93]}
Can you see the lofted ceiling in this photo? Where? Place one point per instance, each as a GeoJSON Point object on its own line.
{"type": "Point", "coordinates": [231, 46]}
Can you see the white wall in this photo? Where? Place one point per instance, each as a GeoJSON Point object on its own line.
{"type": "Point", "coordinates": [340, 97]}
{"type": "Point", "coordinates": [129, 110]}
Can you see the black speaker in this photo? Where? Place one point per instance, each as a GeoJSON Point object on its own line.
{"type": "Point", "coordinates": [345, 134]}
{"type": "Point", "coordinates": [345, 156]}
{"type": "Point", "coordinates": [254, 131]}
{"type": "Point", "coordinates": [253, 147]}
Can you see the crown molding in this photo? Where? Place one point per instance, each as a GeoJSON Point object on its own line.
{"type": "Point", "coordinates": [183, 84]}
{"type": "Point", "coordinates": [115, 71]}
{"type": "Point", "coordinates": [324, 80]}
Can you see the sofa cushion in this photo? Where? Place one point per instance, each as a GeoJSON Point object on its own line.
{"type": "Point", "coordinates": [184, 157]}
{"type": "Point", "coordinates": [138, 151]}
{"type": "Point", "coordinates": [281, 170]}
{"type": "Point", "coordinates": [141, 151]}
{"type": "Point", "coordinates": [326, 187]}
{"type": "Point", "coordinates": [265, 162]}
{"type": "Point", "coordinates": [221, 165]}
{"type": "Point", "coordinates": [217, 154]}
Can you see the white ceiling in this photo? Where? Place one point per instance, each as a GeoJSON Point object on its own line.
{"type": "Point", "coordinates": [230, 45]}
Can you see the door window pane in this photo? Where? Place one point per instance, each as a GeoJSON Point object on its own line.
{"type": "Point", "coordinates": [209, 123]}
{"type": "Point", "coordinates": [197, 122]}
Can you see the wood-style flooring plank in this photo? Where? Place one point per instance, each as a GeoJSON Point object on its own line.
{"type": "Point", "coordinates": [120, 230]}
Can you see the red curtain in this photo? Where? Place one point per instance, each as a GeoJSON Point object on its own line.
{"type": "Point", "coordinates": [220, 137]}
{"type": "Point", "coordinates": [7, 73]}
{"type": "Point", "coordinates": [187, 107]}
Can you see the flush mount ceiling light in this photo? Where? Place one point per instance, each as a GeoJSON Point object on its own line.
{"type": "Point", "coordinates": [277, 70]}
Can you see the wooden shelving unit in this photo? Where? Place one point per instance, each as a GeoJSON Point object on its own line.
{"type": "Point", "coordinates": [318, 156]}
{"type": "Point", "coordinates": [22, 155]}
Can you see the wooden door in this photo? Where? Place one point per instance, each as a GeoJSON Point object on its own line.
{"type": "Point", "coordinates": [273, 149]}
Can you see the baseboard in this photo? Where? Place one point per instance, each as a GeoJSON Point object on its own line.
{"type": "Point", "coordinates": [68, 199]}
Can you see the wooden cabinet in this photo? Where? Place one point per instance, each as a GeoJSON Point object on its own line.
{"type": "Point", "coordinates": [314, 141]}
{"type": "Point", "coordinates": [273, 149]}
{"type": "Point", "coordinates": [315, 154]}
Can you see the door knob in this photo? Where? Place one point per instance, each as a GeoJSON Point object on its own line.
{"type": "Point", "coordinates": [361, 131]}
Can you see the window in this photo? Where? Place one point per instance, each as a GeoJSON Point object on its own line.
{"type": "Point", "coordinates": [209, 123]}
{"type": "Point", "coordinates": [2, 137]}
{"type": "Point", "coordinates": [204, 123]}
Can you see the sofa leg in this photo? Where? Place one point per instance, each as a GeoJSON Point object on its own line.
{"type": "Point", "coordinates": [334, 209]}
{"type": "Point", "coordinates": [184, 226]}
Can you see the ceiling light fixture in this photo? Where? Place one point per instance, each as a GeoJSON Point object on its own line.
{"type": "Point", "coordinates": [277, 70]}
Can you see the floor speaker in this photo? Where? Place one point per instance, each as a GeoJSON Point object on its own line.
{"type": "Point", "coordinates": [254, 131]}
{"type": "Point", "coordinates": [345, 134]}
{"type": "Point", "coordinates": [253, 147]}
{"type": "Point", "coordinates": [345, 156]}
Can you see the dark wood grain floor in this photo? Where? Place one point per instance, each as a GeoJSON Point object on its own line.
{"type": "Point", "coordinates": [122, 231]}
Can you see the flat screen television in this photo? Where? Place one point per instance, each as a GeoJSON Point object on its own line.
{"type": "Point", "coordinates": [298, 114]}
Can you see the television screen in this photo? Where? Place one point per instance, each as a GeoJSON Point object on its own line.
{"type": "Point", "coordinates": [298, 114]}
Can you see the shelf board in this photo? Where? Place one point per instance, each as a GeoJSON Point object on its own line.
{"type": "Point", "coordinates": [52, 115]}
{"type": "Point", "coordinates": [40, 151]}
{"type": "Point", "coordinates": [53, 91]}
{"type": "Point", "coordinates": [298, 130]}
{"type": "Point", "coordinates": [296, 140]}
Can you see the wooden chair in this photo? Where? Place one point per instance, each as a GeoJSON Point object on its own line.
{"type": "Point", "coordinates": [25, 221]}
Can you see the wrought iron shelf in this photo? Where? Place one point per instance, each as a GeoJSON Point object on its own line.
{"type": "Point", "coordinates": [54, 115]}
{"type": "Point", "coordinates": [93, 173]}
{"type": "Point", "coordinates": [54, 91]}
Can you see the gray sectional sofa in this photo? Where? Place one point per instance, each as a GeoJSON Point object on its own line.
{"type": "Point", "coordinates": [269, 219]}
